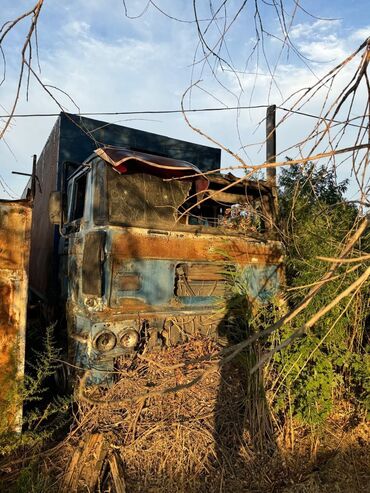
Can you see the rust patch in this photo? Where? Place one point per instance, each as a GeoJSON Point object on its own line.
{"type": "Point", "coordinates": [128, 282]}
{"type": "Point", "coordinates": [15, 221]}
{"type": "Point", "coordinates": [206, 271]}
{"type": "Point", "coordinates": [132, 245]}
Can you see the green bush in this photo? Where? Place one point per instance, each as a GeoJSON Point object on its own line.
{"type": "Point", "coordinates": [330, 361]}
{"type": "Point", "coordinates": [44, 414]}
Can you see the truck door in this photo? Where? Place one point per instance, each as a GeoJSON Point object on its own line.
{"type": "Point", "coordinates": [77, 219]}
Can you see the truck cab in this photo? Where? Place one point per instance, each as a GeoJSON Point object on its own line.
{"type": "Point", "coordinates": [147, 245]}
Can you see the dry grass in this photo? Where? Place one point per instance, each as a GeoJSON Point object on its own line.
{"type": "Point", "coordinates": [216, 436]}
{"type": "Point", "coordinates": [200, 439]}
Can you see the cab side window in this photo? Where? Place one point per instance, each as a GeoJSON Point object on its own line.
{"type": "Point", "coordinates": [76, 197]}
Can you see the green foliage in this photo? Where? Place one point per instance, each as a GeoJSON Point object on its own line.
{"type": "Point", "coordinates": [330, 361]}
{"type": "Point", "coordinates": [45, 365]}
{"type": "Point", "coordinates": [31, 480]}
{"type": "Point", "coordinates": [43, 416]}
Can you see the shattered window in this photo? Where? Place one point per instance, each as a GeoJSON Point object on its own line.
{"type": "Point", "coordinates": [229, 212]}
{"type": "Point", "coordinates": [241, 217]}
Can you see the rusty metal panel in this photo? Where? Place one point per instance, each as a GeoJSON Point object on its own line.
{"type": "Point", "coordinates": [179, 271]}
{"type": "Point", "coordinates": [200, 280]}
{"type": "Point", "coordinates": [128, 282]}
{"type": "Point", "coordinates": [15, 223]}
{"type": "Point", "coordinates": [207, 248]}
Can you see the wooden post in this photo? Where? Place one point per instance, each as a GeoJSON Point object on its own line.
{"type": "Point", "coordinates": [271, 143]}
{"type": "Point", "coordinates": [33, 177]}
{"type": "Point", "coordinates": [271, 156]}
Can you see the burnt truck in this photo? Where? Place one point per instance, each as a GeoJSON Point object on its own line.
{"type": "Point", "coordinates": [143, 229]}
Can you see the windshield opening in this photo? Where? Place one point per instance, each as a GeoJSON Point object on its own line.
{"type": "Point", "coordinates": [145, 200]}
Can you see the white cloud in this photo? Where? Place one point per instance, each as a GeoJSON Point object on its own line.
{"type": "Point", "coordinates": [315, 29]}
{"type": "Point", "coordinates": [320, 41]}
{"type": "Point", "coordinates": [77, 28]}
{"type": "Point", "coordinates": [360, 35]}
{"type": "Point", "coordinates": [117, 65]}
{"type": "Point", "coordinates": [327, 50]}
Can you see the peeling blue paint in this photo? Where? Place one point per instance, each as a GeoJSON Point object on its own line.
{"type": "Point", "coordinates": [157, 284]}
{"type": "Point", "coordinates": [197, 301]}
{"type": "Point", "coordinates": [157, 281]}
{"type": "Point", "coordinates": [262, 282]}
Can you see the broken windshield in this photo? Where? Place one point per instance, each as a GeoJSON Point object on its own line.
{"type": "Point", "coordinates": [142, 199]}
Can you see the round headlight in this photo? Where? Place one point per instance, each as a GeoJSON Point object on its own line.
{"type": "Point", "coordinates": [105, 341]}
{"type": "Point", "coordinates": [129, 338]}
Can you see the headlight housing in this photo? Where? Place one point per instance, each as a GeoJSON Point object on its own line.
{"type": "Point", "coordinates": [129, 338]}
{"type": "Point", "coordinates": [105, 341]}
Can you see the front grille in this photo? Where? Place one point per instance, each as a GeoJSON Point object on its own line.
{"type": "Point", "coordinates": [200, 279]}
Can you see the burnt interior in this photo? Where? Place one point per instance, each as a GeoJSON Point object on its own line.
{"type": "Point", "coordinates": [143, 199]}
{"type": "Point", "coordinates": [229, 205]}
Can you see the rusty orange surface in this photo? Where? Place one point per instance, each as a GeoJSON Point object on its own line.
{"type": "Point", "coordinates": [188, 247]}
{"type": "Point", "coordinates": [15, 222]}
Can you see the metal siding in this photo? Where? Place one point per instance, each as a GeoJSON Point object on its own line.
{"type": "Point", "coordinates": [43, 239]}
{"type": "Point", "coordinates": [155, 260]}
{"type": "Point", "coordinates": [15, 222]}
{"type": "Point", "coordinates": [263, 281]}
{"type": "Point", "coordinates": [157, 284]}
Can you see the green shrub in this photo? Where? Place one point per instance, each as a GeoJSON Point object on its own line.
{"type": "Point", "coordinates": [44, 414]}
{"type": "Point", "coordinates": [330, 361]}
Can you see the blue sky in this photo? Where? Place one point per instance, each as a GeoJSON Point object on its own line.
{"type": "Point", "coordinates": [107, 62]}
